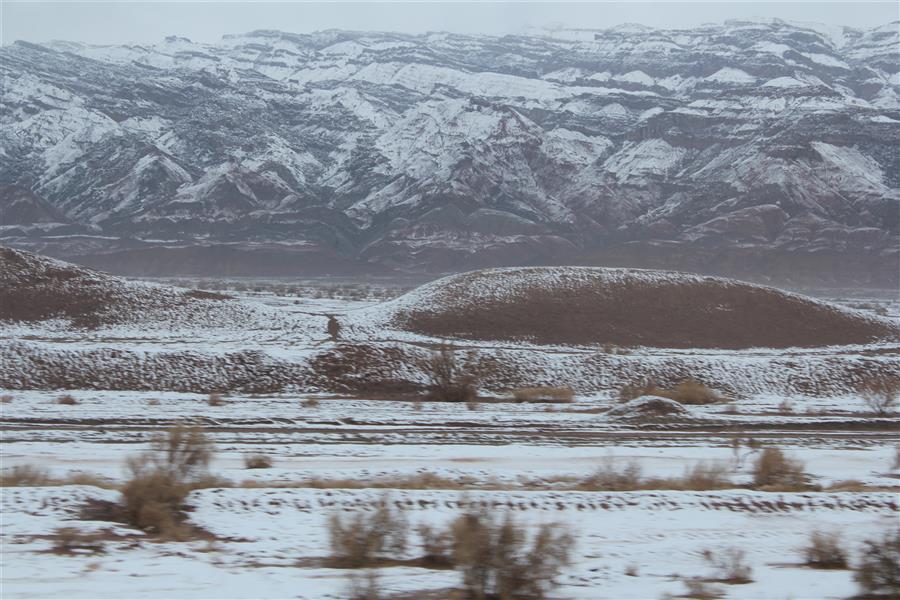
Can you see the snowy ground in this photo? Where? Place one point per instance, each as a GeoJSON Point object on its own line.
{"type": "Point", "coordinates": [271, 540]}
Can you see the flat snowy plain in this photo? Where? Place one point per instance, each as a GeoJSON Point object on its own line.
{"type": "Point", "coordinates": [270, 539]}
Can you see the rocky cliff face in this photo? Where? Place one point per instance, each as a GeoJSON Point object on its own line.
{"type": "Point", "coordinates": [750, 148]}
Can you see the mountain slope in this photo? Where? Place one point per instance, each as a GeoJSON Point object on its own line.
{"type": "Point", "coordinates": [756, 148]}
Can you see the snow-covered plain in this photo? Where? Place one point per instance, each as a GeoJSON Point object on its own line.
{"type": "Point", "coordinates": [271, 538]}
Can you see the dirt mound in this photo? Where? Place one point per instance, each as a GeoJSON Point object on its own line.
{"type": "Point", "coordinates": [648, 407]}
{"type": "Point", "coordinates": [36, 288]}
{"type": "Point", "coordinates": [625, 307]}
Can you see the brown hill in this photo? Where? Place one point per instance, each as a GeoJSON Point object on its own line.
{"type": "Point", "coordinates": [626, 307]}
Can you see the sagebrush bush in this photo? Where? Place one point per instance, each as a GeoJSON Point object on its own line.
{"type": "Point", "coordinates": [706, 476]}
{"type": "Point", "coordinates": [215, 399]}
{"type": "Point", "coordinates": [447, 381]}
{"type": "Point", "coordinates": [880, 394]}
{"type": "Point", "coordinates": [878, 571]}
{"type": "Point", "coordinates": [497, 562]}
{"type": "Point", "coordinates": [365, 538]}
{"type": "Point", "coordinates": [825, 551]}
{"type": "Point", "coordinates": [773, 470]}
{"type": "Point", "coordinates": [257, 461]}
{"type": "Point", "coordinates": [24, 476]}
{"type": "Point", "coordinates": [607, 477]}
{"type": "Point", "coordinates": [730, 565]}
{"type": "Point", "coordinates": [6, 399]}
{"type": "Point", "coordinates": [160, 480]}
{"type": "Point", "coordinates": [67, 400]}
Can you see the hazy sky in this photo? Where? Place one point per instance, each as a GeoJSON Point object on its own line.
{"type": "Point", "coordinates": [123, 21]}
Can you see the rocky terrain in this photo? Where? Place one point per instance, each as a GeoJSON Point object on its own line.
{"type": "Point", "coordinates": [761, 149]}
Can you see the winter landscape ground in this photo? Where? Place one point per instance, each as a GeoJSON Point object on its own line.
{"type": "Point", "coordinates": [659, 487]}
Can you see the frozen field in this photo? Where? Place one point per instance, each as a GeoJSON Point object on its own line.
{"type": "Point", "coordinates": [266, 530]}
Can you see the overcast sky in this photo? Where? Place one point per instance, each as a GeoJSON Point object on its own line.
{"type": "Point", "coordinates": [121, 21]}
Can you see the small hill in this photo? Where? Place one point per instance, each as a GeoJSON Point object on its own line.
{"type": "Point", "coordinates": [36, 288]}
{"type": "Point", "coordinates": [626, 307]}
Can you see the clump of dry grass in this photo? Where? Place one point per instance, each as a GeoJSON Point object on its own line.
{"type": "Point", "coordinates": [6, 399]}
{"type": "Point", "coordinates": [68, 541]}
{"type": "Point", "coordinates": [497, 561]}
{"type": "Point", "coordinates": [878, 571]}
{"type": "Point", "coordinates": [310, 403]}
{"type": "Point", "coordinates": [825, 551]}
{"type": "Point", "coordinates": [67, 400]}
{"type": "Point", "coordinates": [257, 461]}
{"type": "Point", "coordinates": [699, 477]}
{"type": "Point", "coordinates": [25, 476]}
{"type": "Point", "coordinates": [543, 394]}
{"type": "Point", "coordinates": [365, 539]}
{"type": "Point", "coordinates": [161, 479]}
{"type": "Point", "coordinates": [215, 399]}
{"type": "Point", "coordinates": [688, 391]}
{"type": "Point", "coordinates": [153, 402]}
{"type": "Point", "coordinates": [774, 471]}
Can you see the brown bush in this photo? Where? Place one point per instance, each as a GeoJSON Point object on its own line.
{"type": "Point", "coordinates": [880, 394]}
{"type": "Point", "coordinates": [825, 551]}
{"type": "Point", "coordinates": [257, 461]}
{"type": "Point", "coordinates": [68, 540]}
{"type": "Point", "coordinates": [6, 399]}
{"type": "Point", "coordinates": [67, 400]}
{"type": "Point", "coordinates": [153, 402]}
{"type": "Point", "coordinates": [310, 403]}
{"type": "Point", "coordinates": [447, 382]}
{"type": "Point", "coordinates": [730, 565]}
{"type": "Point", "coordinates": [543, 394]}
{"type": "Point", "coordinates": [24, 476]}
{"type": "Point", "coordinates": [215, 399]}
{"type": "Point", "coordinates": [609, 478]}
{"type": "Point", "coordinates": [706, 476]}
{"type": "Point", "coordinates": [160, 480]}
{"type": "Point", "coordinates": [878, 571]}
{"type": "Point", "coordinates": [776, 472]}
{"type": "Point", "coordinates": [497, 562]}
{"type": "Point", "coordinates": [367, 538]}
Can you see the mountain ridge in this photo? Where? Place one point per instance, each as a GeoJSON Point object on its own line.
{"type": "Point", "coordinates": [762, 150]}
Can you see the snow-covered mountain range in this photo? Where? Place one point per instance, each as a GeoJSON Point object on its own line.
{"type": "Point", "coordinates": [758, 148]}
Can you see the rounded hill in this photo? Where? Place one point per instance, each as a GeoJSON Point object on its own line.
{"type": "Point", "coordinates": [626, 307]}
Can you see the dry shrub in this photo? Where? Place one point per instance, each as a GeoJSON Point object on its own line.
{"type": "Point", "coordinates": [367, 538]}
{"type": "Point", "coordinates": [689, 391]}
{"type": "Point", "coordinates": [608, 477]}
{"type": "Point", "coordinates": [215, 399]}
{"type": "Point", "coordinates": [774, 471]}
{"type": "Point", "coordinates": [68, 540]}
{"type": "Point", "coordinates": [697, 589]}
{"type": "Point", "coordinates": [880, 394]}
{"type": "Point", "coordinates": [6, 399]}
{"type": "Point", "coordinates": [67, 400]}
{"type": "Point", "coordinates": [310, 403]}
{"type": "Point", "coordinates": [543, 394]}
{"type": "Point", "coordinates": [825, 551]}
{"type": "Point", "coordinates": [364, 586]}
{"type": "Point", "coordinates": [153, 402]}
{"type": "Point", "coordinates": [497, 562]}
{"type": "Point", "coordinates": [878, 571]}
{"type": "Point", "coordinates": [257, 461]}
{"type": "Point", "coordinates": [161, 479]}
{"type": "Point", "coordinates": [447, 382]}
{"type": "Point", "coordinates": [706, 476]}
{"type": "Point", "coordinates": [730, 565]}
{"type": "Point", "coordinates": [786, 407]}
{"type": "Point", "coordinates": [24, 476]}
{"type": "Point", "coordinates": [437, 546]}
